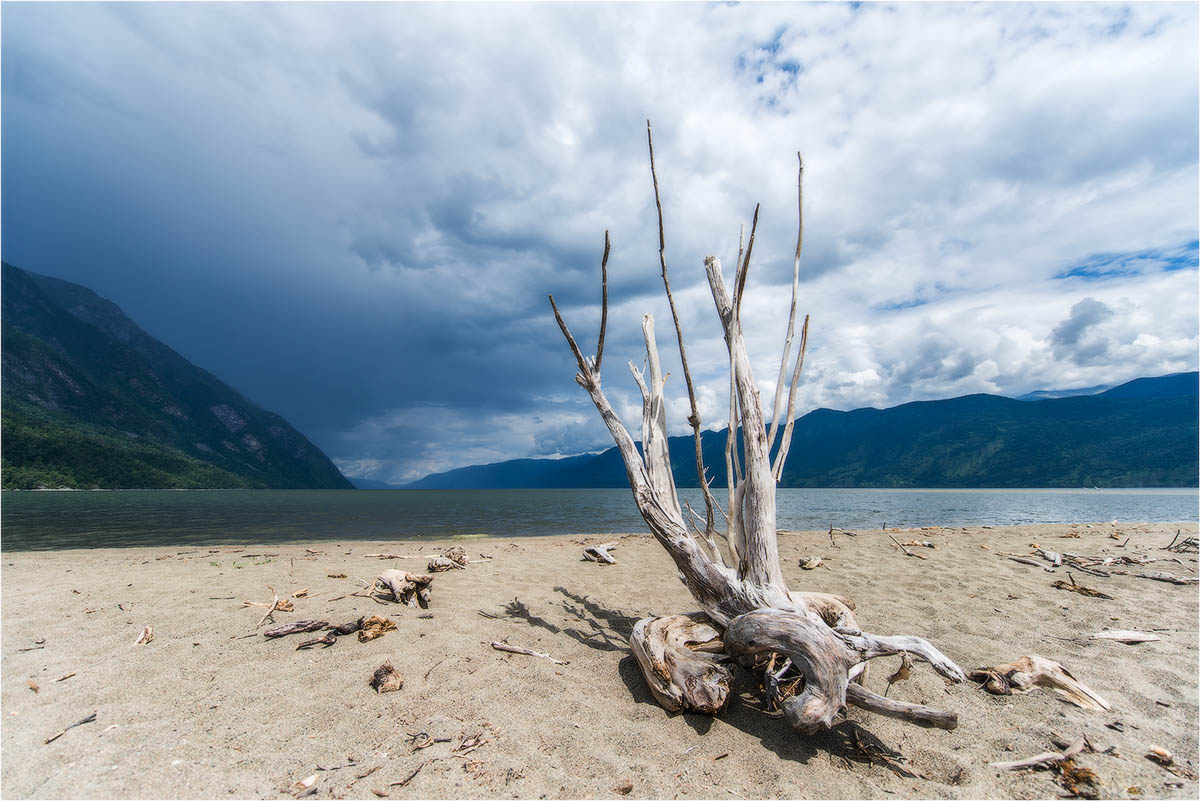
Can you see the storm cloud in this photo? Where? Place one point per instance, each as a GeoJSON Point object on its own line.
{"type": "Point", "coordinates": [353, 213]}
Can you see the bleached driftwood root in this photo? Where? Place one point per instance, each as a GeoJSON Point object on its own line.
{"type": "Point", "coordinates": [676, 655]}
{"type": "Point", "coordinates": [402, 587]}
{"type": "Point", "coordinates": [1022, 675]}
{"type": "Point", "coordinates": [808, 644]}
{"type": "Point", "coordinates": [600, 553]}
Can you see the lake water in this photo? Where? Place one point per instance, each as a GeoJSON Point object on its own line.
{"type": "Point", "coordinates": [49, 520]}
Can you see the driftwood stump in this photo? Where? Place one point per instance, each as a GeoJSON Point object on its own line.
{"type": "Point", "coordinates": [808, 645]}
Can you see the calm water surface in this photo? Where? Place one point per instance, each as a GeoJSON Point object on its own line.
{"type": "Point", "coordinates": [46, 520]}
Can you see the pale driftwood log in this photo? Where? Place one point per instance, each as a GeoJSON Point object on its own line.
{"type": "Point", "coordinates": [890, 707]}
{"type": "Point", "coordinates": [457, 554]}
{"type": "Point", "coordinates": [1022, 675]}
{"type": "Point", "coordinates": [742, 592]}
{"type": "Point", "coordinates": [400, 586]}
{"type": "Point", "coordinates": [675, 655]}
{"type": "Point", "coordinates": [600, 553]}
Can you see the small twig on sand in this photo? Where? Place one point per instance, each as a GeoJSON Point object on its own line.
{"type": "Point", "coordinates": [90, 718]}
{"type": "Point", "coordinates": [270, 609]}
{"type": "Point", "coordinates": [409, 777]}
{"type": "Point", "coordinates": [513, 649]}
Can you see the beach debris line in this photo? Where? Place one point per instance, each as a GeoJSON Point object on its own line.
{"type": "Point", "coordinates": [375, 626]}
{"type": "Point", "coordinates": [386, 679]}
{"type": "Point", "coordinates": [1023, 674]}
{"type": "Point", "coordinates": [514, 649]}
{"type": "Point", "coordinates": [89, 719]}
{"type": "Point", "coordinates": [600, 553]}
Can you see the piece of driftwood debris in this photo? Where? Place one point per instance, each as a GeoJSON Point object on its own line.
{"type": "Point", "coordinates": [810, 562]}
{"type": "Point", "coordinates": [146, 636]}
{"type": "Point", "coordinates": [919, 544]}
{"type": "Point", "coordinates": [901, 674]}
{"type": "Point", "coordinates": [329, 639]}
{"type": "Point", "coordinates": [906, 551]}
{"type": "Point", "coordinates": [409, 777]}
{"type": "Point", "coordinates": [1127, 637]}
{"type": "Point", "coordinates": [1079, 745]}
{"type": "Point", "coordinates": [64, 678]}
{"type": "Point", "coordinates": [386, 679]}
{"type": "Point", "coordinates": [89, 719]}
{"type": "Point", "coordinates": [335, 575]}
{"type": "Point", "coordinates": [1186, 545]}
{"type": "Point", "coordinates": [1022, 675]}
{"type": "Point", "coordinates": [348, 628]}
{"type": "Point", "coordinates": [33, 685]}
{"type": "Point", "coordinates": [270, 607]}
{"type": "Point", "coordinates": [624, 788]}
{"type": "Point", "coordinates": [513, 649]}
{"type": "Point", "coordinates": [299, 627]}
{"type": "Point", "coordinates": [1170, 578]}
{"type": "Point", "coordinates": [1166, 759]}
{"type": "Point", "coordinates": [857, 695]}
{"type": "Point", "coordinates": [1080, 589]}
{"type": "Point", "coordinates": [457, 554]}
{"type": "Point", "coordinates": [375, 626]}
{"type": "Point", "coordinates": [1031, 562]}
{"type": "Point", "coordinates": [439, 564]}
{"type": "Point", "coordinates": [400, 586]}
{"type": "Point", "coordinates": [676, 655]}
{"type": "Point", "coordinates": [1053, 557]}
{"type": "Point", "coordinates": [600, 553]}
{"type": "Point", "coordinates": [306, 786]}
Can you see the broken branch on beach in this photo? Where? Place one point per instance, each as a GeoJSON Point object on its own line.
{"type": "Point", "coordinates": [1023, 674]}
{"type": "Point", "coordinates": [89, 719]}
{"type": "Point", "coordinates": [513, 649]}
{"type": "Point", "coordinates": [299, 627]}
{"type": "Point", "coordinates": [600, 553]}
{"type": "Point", "coordinates": [906, 551]}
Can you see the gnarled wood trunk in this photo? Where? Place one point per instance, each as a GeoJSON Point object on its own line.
{"type": "Point", "coordinates": [748, 610]}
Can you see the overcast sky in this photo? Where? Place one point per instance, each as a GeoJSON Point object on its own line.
{"type": "Point", "coordinates": [353, 213]}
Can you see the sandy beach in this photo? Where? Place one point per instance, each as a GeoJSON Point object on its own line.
{"type": "Point", "coordinates": [210, 708]}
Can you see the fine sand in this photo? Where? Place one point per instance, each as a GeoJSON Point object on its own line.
{"type": "Point", "coordinates": [205, 711]}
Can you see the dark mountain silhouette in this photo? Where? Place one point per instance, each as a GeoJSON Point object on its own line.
{"type": "Point", "coordinates": [1139, 434]}
{"type": "Point", "coordinates": [92, 400]}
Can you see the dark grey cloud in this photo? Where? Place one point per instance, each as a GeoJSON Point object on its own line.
{"type": "Point", "coordinates": [353, 213]}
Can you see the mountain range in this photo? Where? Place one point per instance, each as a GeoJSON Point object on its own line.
{"type": "Point", "coordinates": [1140, 434]}
{"type": "Point", "coordinates": [92, 400]}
